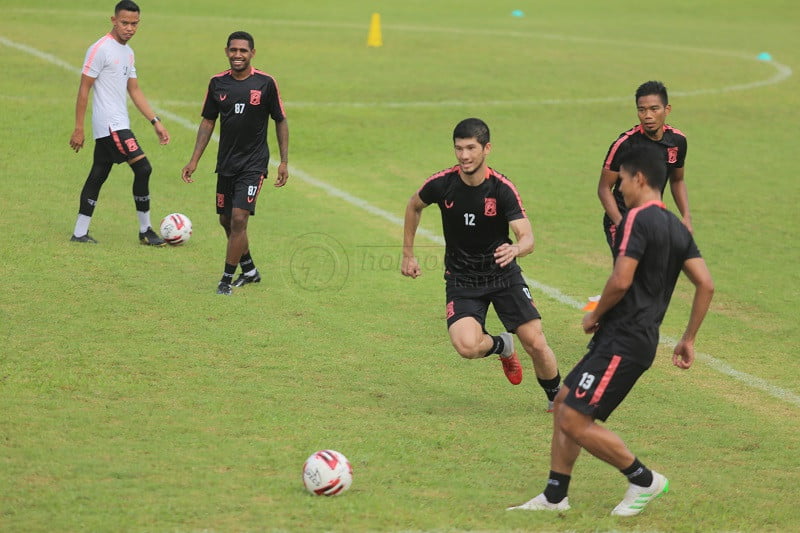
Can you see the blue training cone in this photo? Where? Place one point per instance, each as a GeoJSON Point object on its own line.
{"type": "Point", "coordinates": [764, 56]}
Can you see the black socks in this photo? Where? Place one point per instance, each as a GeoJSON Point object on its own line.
{"type": "Point", "coordinates": [557, 486]}
{"type": "Point", "coordinates": [638, 474]}
{"type": "Point", "coordinates": [498, 346]}
{"type": "Point", "coordinates": [550, 386]}
{"type": "Point", "coordinates": [227, 277]}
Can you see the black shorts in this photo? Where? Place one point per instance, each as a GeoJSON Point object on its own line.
{"type": "Point", "coordinates": [240, 191]}
{"type": "Point", "coordinates": [513, 305]}
{"type": "Point", "coordinates": [610, 230]}
{"type": "Point", "coordinates": [119, 147]}
{"type": "Point", "coordinates": [599, 383]}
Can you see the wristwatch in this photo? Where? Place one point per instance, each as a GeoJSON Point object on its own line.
{"type": "Point", "coordinates": [155, 119]}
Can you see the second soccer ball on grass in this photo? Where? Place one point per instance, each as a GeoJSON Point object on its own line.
{"type": "Point", "coordinates": [176, 229]}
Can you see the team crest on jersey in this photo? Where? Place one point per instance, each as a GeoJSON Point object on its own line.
{"type": "Point", "coordinates": [672, 154]}
{"type": "Point", "coordinates": [255, 97]}
{"type": "Point", "coordinates": [489, 207]}
{"type": "Point", "coordinates": [131, 145]}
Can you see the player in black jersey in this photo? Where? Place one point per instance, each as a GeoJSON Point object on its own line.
{"type": "Point", "coordinates": [245, 99]}
{"type": "Point", "coordinates": [652, 249]}
{"type": "Point", "coordinates": [652, 106]}
{"type": "Point", "coordinates": [478, 205]}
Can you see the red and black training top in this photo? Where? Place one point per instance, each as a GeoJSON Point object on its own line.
{"type": "Point", "coordinates": [244, 107]}
{"type": "Point", "coordinates": [661, 244]}
{"type": "Point", "coordinates": [475, 222]}
{"type": "Point", "coordinates": [673, 145]}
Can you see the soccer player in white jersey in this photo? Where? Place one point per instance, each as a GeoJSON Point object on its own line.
{"type": "Point", "coordinates": [109, 69]}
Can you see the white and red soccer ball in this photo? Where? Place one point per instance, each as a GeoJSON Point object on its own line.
{"type": "Point", "coordinates": [327, 473]}
{"type": "Point", "coordinates": [176, 229]}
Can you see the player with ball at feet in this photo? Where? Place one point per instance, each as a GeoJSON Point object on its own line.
{"type": "Point", "coordinates": [245, 98]}
{"type": "Point", "coordinates": [478, 205]}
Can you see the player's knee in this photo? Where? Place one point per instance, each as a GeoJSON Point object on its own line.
{"type": "Point", "coordinates": [141, 170]}
{"type": "Point", "coordinates": [97, 176]}
{"type": "Point", "coordinates": [571, 422]}
{"type": "Point", "coordinates": [467, 348]}
{"type": "Point", "coordinates": [238, 222]}
{"type": "Point", "coordinates": [536, 346]}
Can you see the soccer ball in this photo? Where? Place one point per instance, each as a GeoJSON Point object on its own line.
{"type": "Point", "coordinates": [327, 473]}
{"type": "Point", "coordinates": [176, 229]}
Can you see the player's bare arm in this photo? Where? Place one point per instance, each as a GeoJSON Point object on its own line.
{"type": "Point", "coordinates": [677, 186]}
{"type": "Point", "coordinates": [282, 133]}
{"type": "Point", "coordinates": [505, 253]}
{"type": "Point", "coordinates": [607, 180]}
{"type": "Point", "coordinates": [204, 132]}
{"type": "Point", "coordinates": [697, 272]}
{"type": "Point", "coordinates": [410, 266]}
{"type": "Point", "coordinates": [617, 285]}
{"type": "Point", "coordinates": [78, 136]}
{"type": "Point", "coordinates": [137, 96]}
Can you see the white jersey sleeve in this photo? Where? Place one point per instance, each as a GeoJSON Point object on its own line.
{"type": "Point", "coordinates": [111, 64]}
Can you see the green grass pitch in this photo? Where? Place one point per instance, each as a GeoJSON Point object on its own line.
{"type": "Point", "coordinates": [132, 398]}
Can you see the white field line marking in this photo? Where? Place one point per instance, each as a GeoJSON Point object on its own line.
{"type": "Point", "coordinates": [552, 292]}
{"type": "Point", "coordinates": [782, 72]}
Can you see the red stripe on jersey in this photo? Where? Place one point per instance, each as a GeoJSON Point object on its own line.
{"type": "Point", "coordinates": [95, 48]}
{"type": "Point", "coordinates": [603, 385]}
{"type": "Point", "coordinates": [223, 73]}
{"type": "Point", "coordinates": [277, 90]}
{"type": "Point", "coordinates": [438, 175]}
{"type": "Point", "coordinates": [629, 223]}
{"type": "Point", "coordinates": [622, 138]}
{"type": "Point", "coordinates": [507, 181]}
{"type": "Point", "coordinates": [667, 127]}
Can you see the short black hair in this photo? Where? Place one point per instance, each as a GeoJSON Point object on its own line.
{"type": "Point", "coordinates": [652, 87]}
{"type": "Point", "coordinates": [472, 127]}
{"type": "Point", "coordinates": [126, 5]}
{"type": "Point", "coordinates": [650, 160]}
{"type": "Point", "coordinates": [241, 35]}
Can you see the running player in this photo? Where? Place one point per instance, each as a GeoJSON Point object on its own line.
{"type": "Point", "coordinates": [478, 204]}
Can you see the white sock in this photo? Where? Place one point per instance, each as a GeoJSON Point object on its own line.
{"type": "Point", "coordinates": [82, 225]}
{"type": "Point", "coordinates": [144, 220]}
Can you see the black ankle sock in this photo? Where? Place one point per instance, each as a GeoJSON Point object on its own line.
{"type": "Point", "coordinates": [557, 487]}
{"type": "Point", "coordinates": [230, 270]}
{"type": "Point", "coordinates": [550, 386]}
{"type": "Point", "coordinates": [246, 262]}
{"type": "Point", "coordinates": [638, 474]}
{"type": "Point", "coordinates": [498, 346]}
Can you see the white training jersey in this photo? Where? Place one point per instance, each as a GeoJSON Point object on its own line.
{"type": "Point", "coordinates": [111, 64]}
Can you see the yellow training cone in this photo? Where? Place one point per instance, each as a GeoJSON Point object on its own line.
{"type": "Point", "coordinates": [374, 37]}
